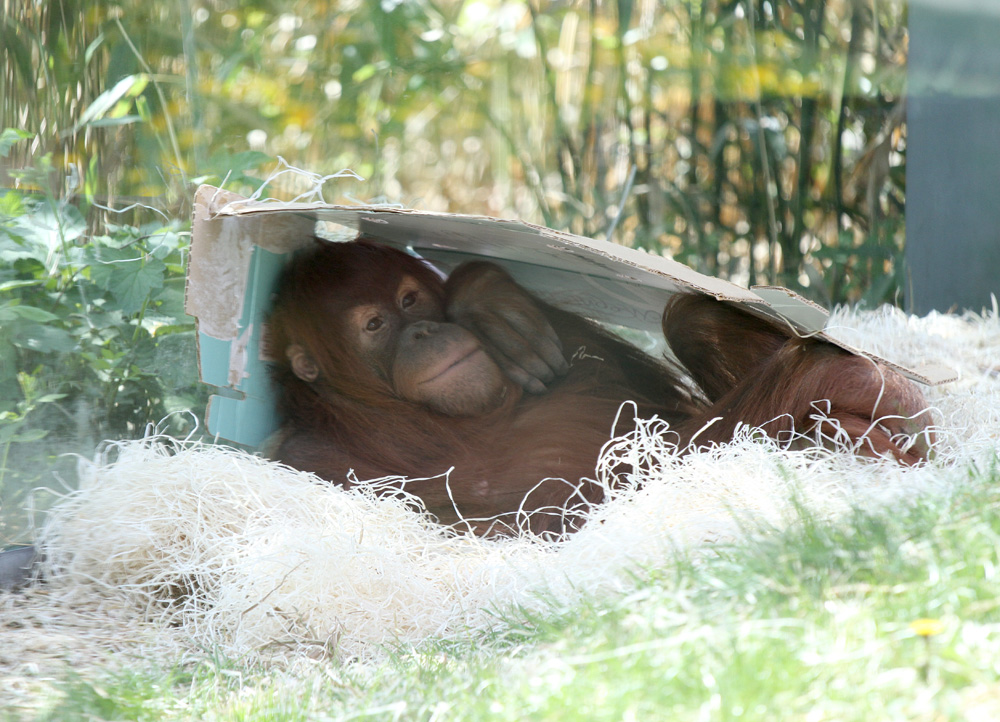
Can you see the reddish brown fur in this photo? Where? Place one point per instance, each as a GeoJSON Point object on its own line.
{"type": "Point", "coordinates": [746, 370]}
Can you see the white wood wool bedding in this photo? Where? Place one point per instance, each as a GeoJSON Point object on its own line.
{"type": "Point", "coordinates": [261, 562]}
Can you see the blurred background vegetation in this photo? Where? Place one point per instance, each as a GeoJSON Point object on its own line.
{"type": "Point", "coordinates": [763, 141]}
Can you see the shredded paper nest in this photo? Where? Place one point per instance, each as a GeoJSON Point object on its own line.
{"type": "Point", "coordinates": [170, 548]}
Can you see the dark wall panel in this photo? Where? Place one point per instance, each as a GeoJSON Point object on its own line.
{"type": "Point", "coordinates": [953, 155]}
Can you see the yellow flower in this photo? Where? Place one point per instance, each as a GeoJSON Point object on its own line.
{"type": "Point", "coordinates": [927, 627]}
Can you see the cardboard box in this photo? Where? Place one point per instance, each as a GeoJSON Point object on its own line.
{"type": "Point", "coordinates": [238, 247]}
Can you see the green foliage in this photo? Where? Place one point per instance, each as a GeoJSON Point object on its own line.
{"type": "Point", "coordinates": [9, 137]}
{"type": "Point", "coordinates": [763, 142]}
{"type": "Point", "coordinates": [94, 342]}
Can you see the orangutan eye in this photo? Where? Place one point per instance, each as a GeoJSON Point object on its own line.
{"type": "Point", "coordinates": [374, 324]}
{"type": "Point", "coordinates": [409, 299]}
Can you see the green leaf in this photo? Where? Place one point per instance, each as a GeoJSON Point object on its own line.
{"type": "Point", "coordinates": [170, 303]}
{"type": "Point", "coordinates": [11, 204]}
{"type": "Point", "coordinates": [124, 120]}
{"type": "Point", "coordinates": [130, 281]}
{"type": "Point", "coordinates": [12, 285]}
{"type": "Point", "coordinates": [30, 435]}
{"type": "Point", "coordinates": [174, 328]}
{"type": "Point", "coordinates": [11, 312]}
{"type": "Point", "coordinates": [8, 432]}
{"type": "Point", "coordinates": [92, 48]}
{"type": "Point", "coordinates": [102, 260]}
{"type": "Point", "coordinates": [175, 360]}
{"type": "Point", "coordinates": [9, 137]}
{"type": "Point", "coordinates": [44, 339]}
{"type": "Point", "coordinates": [363, 73]}
{"type": "Point", "coordinates": [129, 86]}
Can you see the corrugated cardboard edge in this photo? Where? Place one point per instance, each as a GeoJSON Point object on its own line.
{"type": "Point", "coordinates": [217, 264]}
{"type": "Point", "coordinates": [216, 295]}
{"type": "Point", "coordinates": [220, 258]}
{"type": "Point", "coordinates": [809, 313]}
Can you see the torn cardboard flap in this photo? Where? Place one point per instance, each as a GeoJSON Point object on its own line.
{"type": "Point", "coordinates": [238, 247]}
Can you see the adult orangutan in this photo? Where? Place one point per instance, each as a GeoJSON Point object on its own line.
{"type": "Point", "coordinates": [384, 370]}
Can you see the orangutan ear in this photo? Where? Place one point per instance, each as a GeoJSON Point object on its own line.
{"type": "Point", "coordinates": [302, 365]}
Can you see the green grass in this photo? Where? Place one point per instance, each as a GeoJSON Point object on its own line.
{"type": "Point", "coordinates": [807, 623]}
